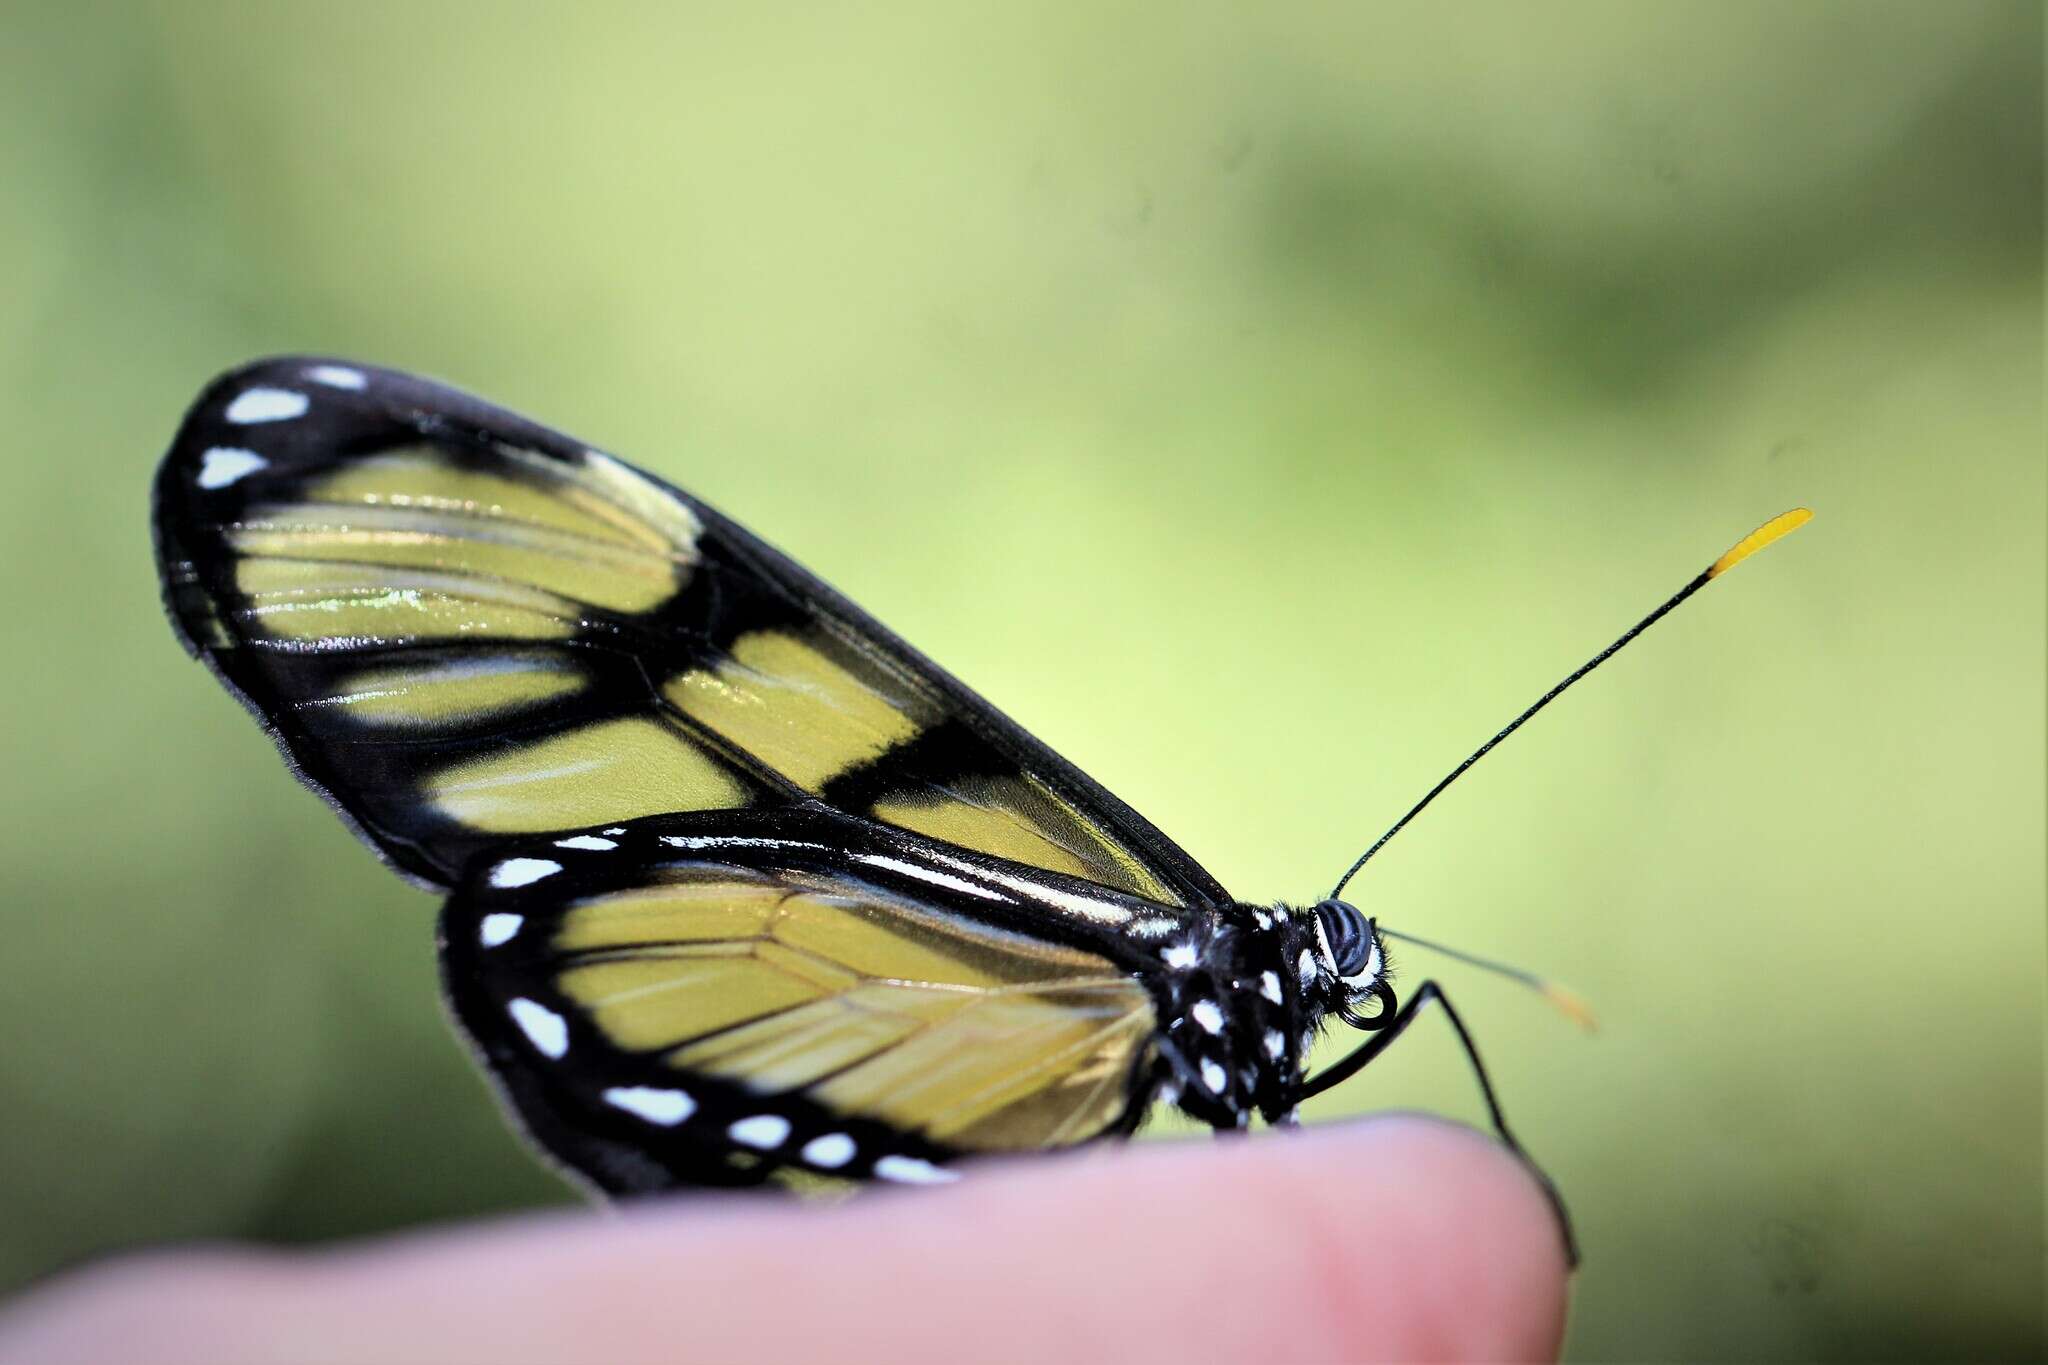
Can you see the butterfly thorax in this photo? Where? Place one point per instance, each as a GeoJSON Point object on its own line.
{"type": "Point", "coordinates": [1241, 1001]}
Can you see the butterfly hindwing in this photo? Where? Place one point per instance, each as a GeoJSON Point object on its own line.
{"type": "Point", "coordinates": [468, 630]}
{"type": "Point", "coordinates": [720, 998]}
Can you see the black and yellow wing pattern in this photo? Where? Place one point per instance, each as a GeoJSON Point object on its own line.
{"type": "Point", "coordinates": [710, 1000]}
{"type": "Point", "coordinates": [742, 883]}
{"type": "Point", "coordinates": [463, 627]}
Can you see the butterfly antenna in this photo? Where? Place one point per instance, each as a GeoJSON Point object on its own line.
{"type": "Point", "coordinates": [1777, 527]}
{"type": "Point", "coordinates": [1567, 1002]}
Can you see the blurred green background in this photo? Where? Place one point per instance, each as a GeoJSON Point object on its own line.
{"type": "Point", "coordinates": [1262, 409]}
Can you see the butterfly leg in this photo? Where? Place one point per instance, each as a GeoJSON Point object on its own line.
{"type": "Point", "coordinates": [1429, 993]}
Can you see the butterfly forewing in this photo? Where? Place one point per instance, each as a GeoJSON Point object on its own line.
{"type": "Point", "coordinates": [725, 998]}
{"type": "Point", "coordinates": [468, 630]}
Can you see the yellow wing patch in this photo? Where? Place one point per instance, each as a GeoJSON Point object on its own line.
{"type": "Point", "coordinates": [977, 1038]}
{"type": "Point", "coordinates": [451, 692]}
{"type": "Point", "coordinates": [344, 606]}
{"type": "Point", "coordinates": [799, 709]}
{"type": "Point", "coordinates": [615, 770]}
{"type": "Point", "coordinates": [813, 708]}
{"type": "Point", "coordinates": [412, 543]}
{"type": "Point", "coordinates": [428, 480]}
{"type": "Point", "coordinates": [1022, 819]}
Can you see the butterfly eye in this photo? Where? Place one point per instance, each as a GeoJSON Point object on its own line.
{"type": "Point", "coordinates": [1348, 936]}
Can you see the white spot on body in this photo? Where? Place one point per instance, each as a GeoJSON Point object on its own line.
{"type": "Point", "coordinates": [1214, 1077]}
{"type": "Point", "coordinates": [1169, 1093]}
{"type": "Point", "coordinates": [1269, 986]}
{"type": "Point", "coordinates": [498, 927]}
{"type": "Point", "coordinates": [762, 1131]}
{"type": "Point", "coordinates": [830, 1151]}
{"type": "Point", "coordinates": [665, 1107]}
{"type": "Point", "coordinates": [910, 1170]}
{"type": "Point", "coordinates": [1276, 1043]}
{"type": "Point", "coordinates": [1179, 955]}
{"type": "Point", "coordinates": [1206, 1013]}
{"type": "Point", "coordinates": [589, 841]}
{"type": "Point", "coordinates": [336, 376]}
{"type": "Point", "coordinates": [1306, 966]}
{"type": "Point", "coordinates": [266, 405]}
{"type": "Point", "coordinates": [222, 465]}
{"type": "Point", "coordinates": [523, 871]}
{"type": "Point", "coordinates": [543, 1028]}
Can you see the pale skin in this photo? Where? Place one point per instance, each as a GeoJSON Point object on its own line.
{"type": "Point", "coordinates": [1393, 1238]}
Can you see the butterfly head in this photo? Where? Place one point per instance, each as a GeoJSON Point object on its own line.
{"type": "Point", "coordinates": [1355, 962]}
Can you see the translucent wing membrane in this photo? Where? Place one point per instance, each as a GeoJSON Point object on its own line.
{"type": "Point", "coordinates": [720, 999]}
{"type": "Point", "coordinates": [466, 629]}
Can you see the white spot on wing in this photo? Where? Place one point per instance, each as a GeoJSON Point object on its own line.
{"type": "Point", "coordinates": [717, 841]}
{"type": "Point", "coordinates": [266, 405]}
{"type": "Point", "coordinates": [665, 1107]}
{"type": "Point", "coordinates": [498, 927]}
{"type": "Point", "coordinates": [543, 1028]}
{"type": "Point", "coordinates": [830, 1151]}
{"type": "Point", "coordinates": [932, 875]}
{"type": "Point", "coordinates": [336, 376]}
{"type": "Point", "coordinates": [1207, 1015]}
{"type": "Point", "coordinates": [1269, 986]}
{"type": "Point", "coordinates": [222, 465]}
{"type": "Point", "coordinates": [589, 841]}
{"type": "Point", "coordinates": [910, 1170]}
{"type": "Point", "coordinates": [1214, 1077]}
{"type": "Point", "coordinates": [523, 871]}
{"type": "Point", "coordinates": [762, 1131]}
{"type": "Point", "coordinates": [1090, 907]}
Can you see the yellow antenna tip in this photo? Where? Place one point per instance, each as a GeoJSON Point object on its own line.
{"type": "Point", "coordinates": [1777, 528]}
{"type": "Point", "coordinates": [1571, 1005]}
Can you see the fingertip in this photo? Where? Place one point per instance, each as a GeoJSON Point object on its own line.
{"type": "Point", "coordinates": [1436, 1242]}
{"type": "Point", "coordinates": [1392, 1238]}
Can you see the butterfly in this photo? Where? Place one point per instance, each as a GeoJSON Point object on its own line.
{"type": "Point", "coordinates": [740, 886]}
